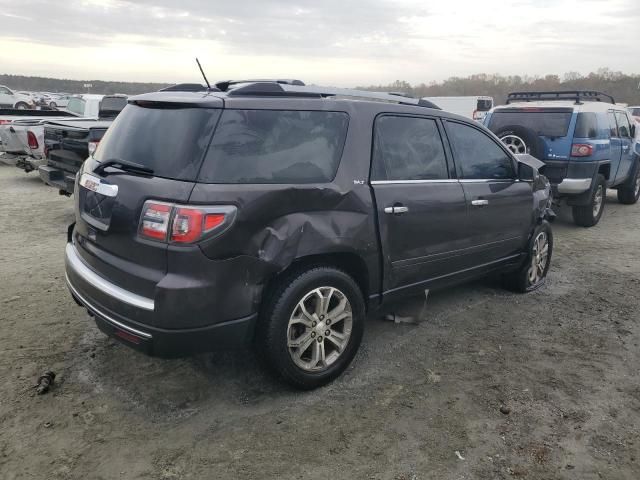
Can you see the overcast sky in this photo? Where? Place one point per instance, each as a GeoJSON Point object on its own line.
{"type": "Point", "coordinates": [338, 42]}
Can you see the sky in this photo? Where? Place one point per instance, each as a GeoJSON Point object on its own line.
{"type": "Point", "coordinates": [334, 42]}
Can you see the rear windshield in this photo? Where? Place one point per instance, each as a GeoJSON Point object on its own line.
{"type": "Point", "coordinates": [112, 106]}
{"type": "Point", "coordinates": [484, 105]}
{"type": "Point", "coordinates": [171, 142]}
{"type": "Point", "coordinates": [275, 146]}
{"type": "Point", "coordinates": [545, 122]}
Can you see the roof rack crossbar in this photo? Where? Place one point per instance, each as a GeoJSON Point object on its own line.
{"type": "Point", "coordinates": [224, 85]}
{"type": "Point", "coordinates": [577, 95]}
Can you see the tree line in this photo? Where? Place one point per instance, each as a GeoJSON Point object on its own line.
{"type": "Point", "coordinates": [623, 87]}
{"type": "Point", "coordinates": [55, 85]}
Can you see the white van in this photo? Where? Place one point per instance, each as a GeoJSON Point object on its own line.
{"type": "Point", "coordinates": [472, 107]}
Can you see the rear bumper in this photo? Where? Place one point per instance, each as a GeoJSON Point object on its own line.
{"type": "Point", "coordinates": [573, 186]}
{"type": "Point", "coordinates": [146, 338]}
{"type": "Point", "coordinates": [57, 178]}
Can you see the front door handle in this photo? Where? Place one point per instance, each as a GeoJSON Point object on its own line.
{"type": "Point", "coordinates": [396, 210]}
{"type": "Point", "coordinates": [479, 203]}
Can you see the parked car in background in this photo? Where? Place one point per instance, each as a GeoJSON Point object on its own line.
{"type": "Point", "coordinates": [585, 141]}
{"type": "Point", "coordinates": [635, 113]}
{"type": "Point", "coordinates": [278, 214]}
{"type": "Point", "coordinates": [59, 101]}
{"type": "Point", "coordinates": [475, 107]}
{"type": "Point", "coordinates": [94, 106]}
{"type": "Point", "coordinates": [68, 143]}
{"type": "Point", "coordinates": [11, 99]}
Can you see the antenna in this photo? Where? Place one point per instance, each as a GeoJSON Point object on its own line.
{"type": "Point", "coordinates": [203, 75]}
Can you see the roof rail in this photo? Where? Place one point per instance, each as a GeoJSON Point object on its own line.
{"type": "Point", "coordinates": [224, 85]}
{"type": "Point", "coordinates": [266, 88]}
{"type": "Point", "coordinates": [185, 87]}
{"type": "Point", "coordinates": [577, 95]}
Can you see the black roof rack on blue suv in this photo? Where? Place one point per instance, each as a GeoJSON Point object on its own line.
{"type": "Point", "coordinates": [577, 95]}
{"type": "Point", "coordinates": [280, 89]}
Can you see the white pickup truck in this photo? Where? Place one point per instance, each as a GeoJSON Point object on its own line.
{"type": "Point", "coordinates": [26, 135]}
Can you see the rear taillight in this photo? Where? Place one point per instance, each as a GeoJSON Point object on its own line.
{"type": "Point", "coordinates": [93, 146]}
{"type": "Point", "coordinates": [5, 122]}
{"type": "Point", "coordinates": [154, 223]}
{"type": "Point", "coordinates": [581, 150]}
{"type": "Point", "coordinates": [183, 224]}
{"type": "Point", "coordinates": [32, 140]}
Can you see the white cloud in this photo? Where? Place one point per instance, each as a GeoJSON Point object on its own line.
{"type": "Point", "coordinates": [336, 42]}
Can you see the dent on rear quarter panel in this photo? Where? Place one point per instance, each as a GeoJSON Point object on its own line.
{"type": "Point", "coordinates": [279, 224]}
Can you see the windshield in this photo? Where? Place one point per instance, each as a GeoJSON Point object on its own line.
{"type": "Point", "coordinates": [170, 141]}
{"type": "Point", "coordinates": [549, 122]}
{"type": "Point", "coordinates": [635, 111]}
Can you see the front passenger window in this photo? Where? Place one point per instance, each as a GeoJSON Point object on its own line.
{"type": "Point", "coordinates": [477, 155]}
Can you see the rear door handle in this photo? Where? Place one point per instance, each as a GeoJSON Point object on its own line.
{"type": "Point", "coordinates": [479, 203]}
{"type": "Point", "coordinates": [396, 210]}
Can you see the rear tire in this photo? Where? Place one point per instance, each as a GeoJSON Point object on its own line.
{"type": "Point", "coordinates": [53, 105]}
{"type": "Point", "coordinates": [311, 326]}
{"type": "Point", "coordinates": [22, 106]}
{"type": "Point", "coordinates": [533, 273]}
{"type": "Point", "coordinates": [589, 215]}
{"type": "Point", "coordinates": [629, 191]}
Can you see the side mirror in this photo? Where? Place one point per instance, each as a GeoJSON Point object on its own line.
{"type": "Point", "coordinates": [526, 173]}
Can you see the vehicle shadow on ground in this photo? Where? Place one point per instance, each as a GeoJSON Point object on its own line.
{"type": "Point", "coordinates": [175, 389]}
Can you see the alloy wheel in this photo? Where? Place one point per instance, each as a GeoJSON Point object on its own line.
{"type": "Point", "coordinates": [597, 201]}
{"type": "Point", "coordinates": [539, 258]}
{"type": "Point", "coordinates": [319, 329]}
{"type": "Point", "coordinates": [514, 143]}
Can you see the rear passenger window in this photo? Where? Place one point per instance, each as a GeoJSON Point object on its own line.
{"type": "Point", "coordinates": [275, 146]}
{"type": "Point", "coordinates": [477, 155]}
{"type": "Point", "coordinates": [586, 125]}
{"type": "Point", "coordinates": [624, 129]}
{"type": "Point", "coordinates": [613, 126]}
{"type": "Point", "coordinates": [408, 148]}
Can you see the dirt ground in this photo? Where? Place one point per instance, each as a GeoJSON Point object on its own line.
{"type": "Point", "coordinates": [419, 402]}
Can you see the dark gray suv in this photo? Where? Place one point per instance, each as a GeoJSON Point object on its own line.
{"type": "Point", "coordinates": [279, 214]}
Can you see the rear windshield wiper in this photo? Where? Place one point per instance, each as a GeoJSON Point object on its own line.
{"type": "Point", "coordinates": [124, 165]}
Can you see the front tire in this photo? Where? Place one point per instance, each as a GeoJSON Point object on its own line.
{"type": "Point", "coordinates": [53, 105]}
{"type": "Point", "coordinates": [533, 273]}
{"type": "Point", "coordinates": [22, 106]}
{"type": "Point", "coordinates": [589, 215]}
{"type": "Point", "coordinates": [629, 191]}
{"type": "Point", "coordinates": [312, 326]}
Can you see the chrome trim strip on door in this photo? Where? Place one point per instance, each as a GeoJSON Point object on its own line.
{"type": "Point", "coordinates": [104, 316]}
{"type": "Point", "coordinates": [487, 180]}
{"type": "Point", "coordinates": [104, 285]}
{"type": "Point", "coordinates": [400, 182]}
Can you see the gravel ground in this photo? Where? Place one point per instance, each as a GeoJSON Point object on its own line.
{"type": "Point", "coordinates": [420, 401]}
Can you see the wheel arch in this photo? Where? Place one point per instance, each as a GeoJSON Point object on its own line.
{"type": "Point", "coordinates": [349, 262]}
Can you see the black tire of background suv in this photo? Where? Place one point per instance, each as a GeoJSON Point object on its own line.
{"type": "Point", "coordinates": [518, 281]}
{"type": "Point", "coordinates": [271, 332]}
{"type": "Point", "coordinates": [626, 193]}
{"type": "Point", "coordinates": [583, 214]}
{"type": "Point", "coordinates": [530, 138]}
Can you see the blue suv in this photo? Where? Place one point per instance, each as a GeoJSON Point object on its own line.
{"type": "Point", "coordinates": [584, 139]}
